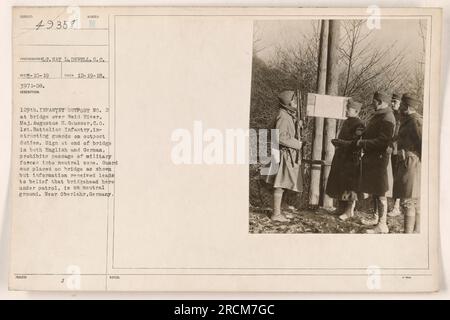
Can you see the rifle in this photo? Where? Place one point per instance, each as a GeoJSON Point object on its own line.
{"type": "Point", "coordinates": [299, 131]}
{"type": "Point", "coordinates": [360, 156]}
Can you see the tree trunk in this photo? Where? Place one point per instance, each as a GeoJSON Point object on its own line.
{"type": "Point", "coordinates": [316, 154]}
{"type": "Point", "coordinates": [332, 89]}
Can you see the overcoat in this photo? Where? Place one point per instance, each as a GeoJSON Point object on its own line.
{"type": "Point", "coordinates": [409, 143]}
{"type": "Point", "coordinates": [288, 173]}
{"type": "Point", "coordinates": [376, 159]}
{"type": "Point", "coordinates": [345, 167]}
{"type": "Point", "coordinates": [394, 142]}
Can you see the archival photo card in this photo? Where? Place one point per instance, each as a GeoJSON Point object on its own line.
{"type": "Point", "coordinates": [225, 149]}
{"type": "Point", "coordinates": [350, 153]}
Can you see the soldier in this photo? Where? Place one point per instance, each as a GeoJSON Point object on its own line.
{"type": "Point", "coordinates": [375, 141]}
{"type": "Point", "coordinates": [288, 174]}
{"type": "Point", "coordinates": [343, 179]}
{"type": "Point", "coordinates": [395, 103]}
{"type": "Point", "coordinates": [407, 176]}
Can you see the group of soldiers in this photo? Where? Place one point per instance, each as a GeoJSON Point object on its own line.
{"type": "Point", "coordinates": [380, 159]}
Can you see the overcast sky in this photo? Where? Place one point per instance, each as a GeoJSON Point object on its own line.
{"type": "Point", "coordinates": [405, 32]}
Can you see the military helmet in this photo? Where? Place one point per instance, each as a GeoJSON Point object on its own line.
{"type": "Point", "coordinates": [285, 99]}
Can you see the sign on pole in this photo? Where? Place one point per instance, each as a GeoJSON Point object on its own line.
{"type": "Point", "coordinates": [326, 106]}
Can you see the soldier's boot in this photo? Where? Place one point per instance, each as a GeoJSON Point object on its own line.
{"type": "Point", "coordinates": [382, 226]}
{"type": "Point", "coordinates": [396, 211]}
{"type": "Point", "coordinates": [375, 218]}
{"type": "Point", "coordinates": [410, 219]}
{"type": "Point", "coordinates": [277, 215]}
{"type": "Point", "coordinates": [288, 215]}
{"type": "Point", "coordinates": [349, 211]}
{"type": "Point", "coordinates": [289, 212]}
{"type": "Point", "coordinates": [417, 224]}
{"type": "Point", "coordinates": [341, 205]}
{"type": "Point", "coordinates": [371, 221]}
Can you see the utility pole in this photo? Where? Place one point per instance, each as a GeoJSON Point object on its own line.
{"type": "Point", "coordinates": [316, 154]}
{"type": "Point", "coordinates": [331, 89]}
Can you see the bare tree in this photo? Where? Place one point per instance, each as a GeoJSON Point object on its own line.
{"type": "Point", "coordinates": [299, 61]}
{"type": "Point", "coordinates": [419, 72]}
{"type": "Point", "coordinates": [367, 66]}
{"type": "Point", "coordinates": [364, 68]}
{"type": "Point", "coordinates": [257, 41]}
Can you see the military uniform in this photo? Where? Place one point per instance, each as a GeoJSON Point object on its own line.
{"type": "Point", "coordinates": [407, 175]}
{"type": "Point", "coordinates": [343, 180]}
{"type": "Point", "coordinates": [285, 172]}
{"type": "Point", "coordinates": [394, 156]}
{"type": "Point", "coordinates": [376, 169]}
{"type": "Point", "coordinates": [289, 174]}
{"type": "Point", "coordinates": [375, 162]}
{"type": "Point", "coordinates": [394, 143]}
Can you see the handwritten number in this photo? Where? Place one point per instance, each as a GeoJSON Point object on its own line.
{"type": "Point", "coordinates": [40, 25]}
{"type": "Point", "coordinates": [58, 24]}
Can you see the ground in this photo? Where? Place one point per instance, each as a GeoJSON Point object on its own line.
{"type": "Point", "coordinates": [313, 221]}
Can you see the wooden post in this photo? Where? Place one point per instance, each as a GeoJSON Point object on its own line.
{"type": "Point", "coordinates": [332, 89]}
{"type": "Point", "coordinates": [316, 154]}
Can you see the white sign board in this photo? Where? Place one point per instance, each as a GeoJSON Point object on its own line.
{"type": "Point", "coordinates": [324, 106]}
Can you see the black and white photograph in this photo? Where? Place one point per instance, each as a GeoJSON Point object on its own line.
{"type": "Point", "coordinates": [246, 150]}
{"type": "Point", "coordinates": [343, 100]}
